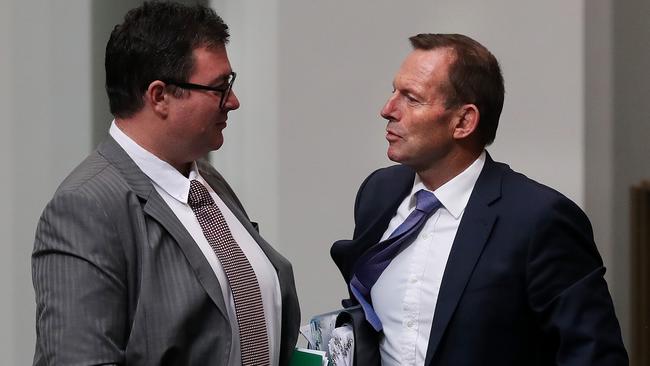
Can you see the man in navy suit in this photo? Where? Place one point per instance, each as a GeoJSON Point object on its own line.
{"type": "Point", "coordinates": [505, 271]}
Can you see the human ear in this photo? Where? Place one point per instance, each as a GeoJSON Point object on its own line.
{"type": "Point", "coordinates": [467, 122]}
{"type": "Point", "coordinates": [157, 98]}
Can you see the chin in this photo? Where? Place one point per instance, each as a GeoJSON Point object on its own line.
{"type": "Point", "coordinates": [394, 156]}
{"type": "Point", "coordinates": [216, 145]}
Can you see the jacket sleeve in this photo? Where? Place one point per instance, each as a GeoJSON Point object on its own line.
{"type": "Point", "coordinates": [78, 272]}
{"type": "Point", "coordinates": [567, 290]}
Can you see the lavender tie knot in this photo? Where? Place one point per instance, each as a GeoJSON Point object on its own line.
{"type": "Point", "coordinates": [426, 202]}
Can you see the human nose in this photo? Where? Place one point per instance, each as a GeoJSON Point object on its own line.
{"type": "Point", "coordinates": [232, 102]}
{"type": "Point", "coordinates": [390, 110]}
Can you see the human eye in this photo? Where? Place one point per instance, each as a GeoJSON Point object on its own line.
{"type": "Point", "coordinates": [220, 87]}
{"type": "Point", "coordinates": [408, 96]}
{"type": "Point", "coordinates": [411, 99]}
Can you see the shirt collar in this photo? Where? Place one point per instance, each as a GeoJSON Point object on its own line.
{"type": "Point", "coordinates": [159, 171]}
{"type": "Point", "coordinates": [454, 194]}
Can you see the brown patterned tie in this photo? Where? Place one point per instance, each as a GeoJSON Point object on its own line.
{"type": "Point", "coordinates": [241, 277]}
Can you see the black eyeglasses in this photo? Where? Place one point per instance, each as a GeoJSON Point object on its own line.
{"type": "Point", "coordinates": [224, 88]}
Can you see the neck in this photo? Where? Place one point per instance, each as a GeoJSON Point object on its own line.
{"type": "Point", "coordinates": [433, 177]}
{"type": "Point", "coordinates": [183, 168]}
{"type": "Point", "coordinates": [148, 140]}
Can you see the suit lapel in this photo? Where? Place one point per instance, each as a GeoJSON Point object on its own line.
{"type": "Point", "coordinates": [471, 237]}
{"type": "Point", "coordinates": [373, 212]}
{"type": "Point", "coordinates": [227, 196]}
{"type": "Point", "coordinates": [290, 306]}
{"type": "Point", "coordinates": [216, 181]}
{"type": "Point", "coordinates": [156, 207]}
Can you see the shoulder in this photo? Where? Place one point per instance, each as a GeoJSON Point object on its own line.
{"type": "Point", "coordinates": [97, 186]}
{"type": "Point", "coordinates": [388, 178]}
{"type": "Point", "coordinates": [525, 197]}
{"type": "Point", "coordinates": [381, 191]}
{"type": "Point", "coordinates": [391, 173]}
{"type": "Point", "coordinates": [83, 211]}
{"type": "Point", "coordinates": [93, 177]}
{"type": "Point", "coordinates": [388, 182]}
{"type": "Point", "coordinates": [94, 170]}
{"type": "Point", "coordinates": [521, 185]}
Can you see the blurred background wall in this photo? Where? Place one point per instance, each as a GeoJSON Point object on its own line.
{"type": "Point", "coordinates": [312, 77]}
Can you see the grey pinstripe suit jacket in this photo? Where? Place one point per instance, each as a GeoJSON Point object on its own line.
{"type": "Point", "coordinates": [119, 280]}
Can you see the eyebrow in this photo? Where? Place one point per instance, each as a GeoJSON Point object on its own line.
{"type": "Point", "coordinates": [408, 90]}
{"type": "Point", "coordinates": [407, 87]}
{"type": "Point", "coordinates": [220, 79]}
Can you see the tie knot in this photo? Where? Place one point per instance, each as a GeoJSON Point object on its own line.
{"type": "Point", "coordinates": [426, 201]}
{"type": "Point", "coordinates": [199, 195]}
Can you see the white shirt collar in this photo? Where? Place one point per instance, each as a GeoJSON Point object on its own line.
{"type": "Point", "coordinates": [454, 194]}
{"type": "Point", "coordinates": [159, 171]}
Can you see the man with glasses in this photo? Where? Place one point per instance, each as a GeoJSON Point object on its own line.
{"type": "Point", "coordinates": [456, 259]}
{"type": "Point", "coordinates": [145, 256]}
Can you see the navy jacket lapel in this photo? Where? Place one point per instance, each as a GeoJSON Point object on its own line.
{"type": "Point", "coordinates": [156, 207]}
{"type": "Point", "coordinates": [471, 237]}
{"type": "Point", "coordinates": [376, 204]}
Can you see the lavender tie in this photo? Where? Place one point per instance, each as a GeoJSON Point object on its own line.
{"type": "Point", "coordinates": [375, 260]}
{"type": "Point", "coordinates": [241, 277]}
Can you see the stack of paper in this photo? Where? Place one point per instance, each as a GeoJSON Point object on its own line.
{"type": "Point", "coordinates": [341, 346]}
{"type": "Point", "coordinates": [337, 344]}
{"type": "Point", "coordinates": [321, 327]}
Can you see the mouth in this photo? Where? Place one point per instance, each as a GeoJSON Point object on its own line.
{"type": "Point", "coordinates": [220, 126]}
{"type": "Point", "coordinates": [392, 136]}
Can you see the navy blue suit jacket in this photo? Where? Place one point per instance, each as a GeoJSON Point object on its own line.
{"type": "Point", "coordinates": [523, 283]}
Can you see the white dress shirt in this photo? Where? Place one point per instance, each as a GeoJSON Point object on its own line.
{"type": "Point", "coordinates": [174, 188]}
{"type": "Point", "coordinates": [405, 295]}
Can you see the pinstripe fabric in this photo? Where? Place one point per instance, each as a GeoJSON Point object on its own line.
{"type": "Point", "coordinates": [118, 279]}
{"type": "Point", "coordinates": [241, 277]}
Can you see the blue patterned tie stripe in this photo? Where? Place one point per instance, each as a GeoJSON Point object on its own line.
{"type": "Point", "coordinates": [375, 260]}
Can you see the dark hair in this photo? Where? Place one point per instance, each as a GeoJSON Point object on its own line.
{"type": "Point", "coordinates": [155, 41]}
{"type": "Point", "coordinates": [474, 78]}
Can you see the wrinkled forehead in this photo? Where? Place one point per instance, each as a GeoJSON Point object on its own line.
{"type": "Point", "coordinates": [426, 69]}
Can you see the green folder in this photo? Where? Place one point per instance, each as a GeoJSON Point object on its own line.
{"type": "Point", "coordinates": [303, 357]}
